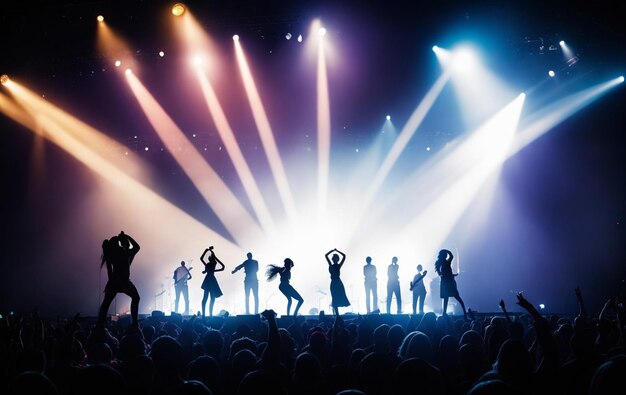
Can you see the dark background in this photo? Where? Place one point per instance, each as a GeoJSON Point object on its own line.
{"type": "Point", "coordinates": [557, 222]}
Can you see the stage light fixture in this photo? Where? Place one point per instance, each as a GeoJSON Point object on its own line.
{"type": "Point", "coordinates": [551, 73]}
{"type": "Point", "coordinates": [435, 48]}
{"type": "Point", "coordinates": [300, 38]}
{"type": "Point", "coordinates": [236, 37]}
{"type": "Point", "coordinates": [322, 31]}
{"type": "Point", "coordinates": [161, 53]}
{"type": "Point", "coordinates": [197, 60]}
{"type": "Point", "coordinates": [5, 78]}
{"type": "Point", "coordinates": [620, 79]}
{"type": "Point", "coordinates": [388, 117]}
{"type": "Point", "coordinates": [561, 43]}
{"type": "Point", "coordinates": [178, 9]}
{"type": "Point", "coordinates": [100, 18]}
{"type": "Point", "coordinates": [118, 63]}
{"type": "Point", "coordinates": [288, 36]}
{"type": "Point", "coordinates": [128, 71]}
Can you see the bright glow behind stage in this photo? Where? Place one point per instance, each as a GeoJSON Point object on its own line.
{"type": "Point", "coordinates": [381, 198]}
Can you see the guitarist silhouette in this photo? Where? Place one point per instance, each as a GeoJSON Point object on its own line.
{"type": "Point", "coordinates": [181, 276]}
{"type": "Point", "coordinates": [419, 290]}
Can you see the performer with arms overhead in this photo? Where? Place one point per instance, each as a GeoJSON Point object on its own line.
{"type": "Point", "coordinates": [210, 285]}
{"type": "Point", "coordinates": [118, 253]}
{"type": "Point", "coordinates": [337, 290]}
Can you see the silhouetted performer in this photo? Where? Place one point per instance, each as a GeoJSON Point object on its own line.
{"type": "Point", "coordinates": [419, 290]}
{"type": "Point", "coordinates": [448, 288]}
{"type": "Point", "coordinates": [284, 287]}
{"type": "Point", "coordinates": [393, 285]}
{"type": "Point", "coordinates": [371, 286]}
{"type": "Point", "coordinates": [251, 282]}
{"type": "Point", "coordinates": [337, 290]}
{"type": "Point", "coordinates": [210, 285]}
{"type": "Point", "coordinates": [118, 253]}
{"type": "Point", "coordinates": [181, 276]}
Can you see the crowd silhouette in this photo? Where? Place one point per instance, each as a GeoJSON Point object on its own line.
{"type": "Point", "coordinates": [373, 354]}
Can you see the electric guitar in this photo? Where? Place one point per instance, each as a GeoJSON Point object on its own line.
{"type": "Point", "coordinates": [413, 284]}
{"type": "Point", "coordinates": [184, 277]}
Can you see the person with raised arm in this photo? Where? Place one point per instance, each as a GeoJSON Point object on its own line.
{"type": "Point", "coordinates": [118, 253]}
{"type": "Point", "coordinates": [337, 290]}
{"type": "Point", "coordinates": [251, 282]}
{"type": "Point", "coordinates": [447, 288]}
{"type": "Point", "coordinates": [548, 364]}
{"type": "Point", "coordinates": [210, 285]}
{"type": "Point", "coordinates": [285, 287]}
{"type": "Point", "coordinates": [506, 313]}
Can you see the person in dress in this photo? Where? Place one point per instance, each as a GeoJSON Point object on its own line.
{"type": "Point", "coordinates": [209, 285]}
{"type": "Point", "coordinates": [337, 290]}
{"type": "Point", "coordinates": [448, 288]}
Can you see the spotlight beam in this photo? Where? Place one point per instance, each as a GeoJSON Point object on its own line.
{"type": "Point", "coordinates": [323, 130]}
{"type": "Point", "coordinates": [451, 162]}
{"type": "Point", "coordinates": [542, 121]}
{"type": "Point", "coordinates": [236, 156]}
{"type": "Point", "coordinates": [111, 45]}
{"type": "Point", "coordinates": [45, 123]}
{"type": "Point", "coordinates": [482, 154]}
{"type": "Point", "coordinates": [406, 134]}
{"type": "Point", "coordinates": [266, 134]}
{"type": "Point", "coordinates": [192, 36]}
{"type": "Point", "coordinates": [568, 53]}
{"type": "Point", "coordinates": [19, 115]}
{"type": "Point", "coordinates": [400, 143]}
{"type": "Point", "coordinates": [37, 168]}
{"type": "Point", "coordinates": [215, 192]}
{"type": "Point", "coordinates": [84, 133]}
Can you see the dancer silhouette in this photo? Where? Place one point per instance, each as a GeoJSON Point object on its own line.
{"type": "Point", "coordinates": [285, 287]}
{"type": "Point", "coordinates": [371, 286]}
{"type": "Point", "coordinates": [118, 253]}
{"type": "Point", "coordinates": [393, 285]}
{"type": "Point", "coordinates": [419, 290]}
{"type": "Point", "coordinates": [251, 282]}
{"type": "Point", "coordinates": [337, 290]}
{"type": "Point", "coordinates": [181, 276]}
{"type": "Point", "coordinates": [210, 285]}
{"type": "Point", "coordinates": [448, 288]}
